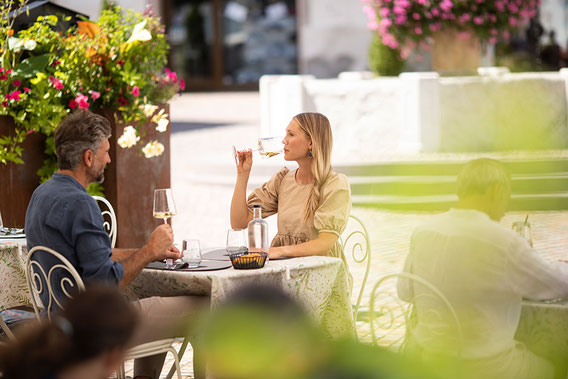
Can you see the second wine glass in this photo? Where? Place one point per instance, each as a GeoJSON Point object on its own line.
{"type": "Point", "coordinates": [164, 208]}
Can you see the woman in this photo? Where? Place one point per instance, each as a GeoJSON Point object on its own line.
{"type": "Point", "coordinates": [88, 340]}
{"type": "Point", "coordinates": [313, 202]}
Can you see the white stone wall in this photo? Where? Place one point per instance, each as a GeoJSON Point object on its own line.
{"type": "Point", "coordinates": [92, 8]}
{"type": "Point", "coordinates": [374, 119]}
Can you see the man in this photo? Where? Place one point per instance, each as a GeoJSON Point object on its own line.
{"type": "Point", "coordinates": [63, 216]}
{"type": "Point", "coordinates": [484, 270]}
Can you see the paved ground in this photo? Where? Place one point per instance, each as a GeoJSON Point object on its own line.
{"type": "Point", "coordinates": [204, 126]}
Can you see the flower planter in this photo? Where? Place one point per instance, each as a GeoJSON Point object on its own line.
{"type": "Point", "coordinates": [130, 180]}
{"type": "Point", "coordinates": [18, 181]}
{"type": "Point", "coordinates": [455, 54]}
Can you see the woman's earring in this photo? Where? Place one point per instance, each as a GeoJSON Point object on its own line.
{"type": "Point", "coordinates": [310, 154]}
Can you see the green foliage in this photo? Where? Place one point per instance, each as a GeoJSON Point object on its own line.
{"type": "Point", "coordinates": [383, 60]}
{"type": "Point", "coordinates": [115, 64]}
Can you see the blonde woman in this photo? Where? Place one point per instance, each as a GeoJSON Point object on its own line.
{"type": "Point", "coordinates": [313, 202]}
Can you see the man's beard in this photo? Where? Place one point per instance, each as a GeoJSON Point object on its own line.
{"type": "Point", "coordinates": [101, 178]}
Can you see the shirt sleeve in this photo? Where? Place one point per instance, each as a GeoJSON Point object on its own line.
{"type": "Point", "coordinates": [532, 276]}
{"type": "Point", "coordinates": [267, 194]}
{"type": "Point", "coordinates": [335, 206]}
{"type": "Point", "coordinates": [91, 243]}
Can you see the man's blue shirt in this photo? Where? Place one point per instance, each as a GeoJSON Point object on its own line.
{"type": "Point", "coordinates": [64, 217]}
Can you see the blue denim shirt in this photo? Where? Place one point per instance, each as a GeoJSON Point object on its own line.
{"type": "Point", "coordinates": [61, 215]}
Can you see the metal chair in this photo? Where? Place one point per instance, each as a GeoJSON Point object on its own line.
{"type": "Point", "coordinates": [392, 320]}
{"type": "Point", "coordinates": [62, 279]}
{"type": "Point", "coordinates": [6, 330]}
{"type": "Point", "coordinates": [109, 218]}
{"type": "Point", "coordinates": [355, 239]}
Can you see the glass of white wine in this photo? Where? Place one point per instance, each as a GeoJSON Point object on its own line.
{"type": "Point", "coordinates": [267, 147]}
{"type": "Point", "coordinates": [164, 208]}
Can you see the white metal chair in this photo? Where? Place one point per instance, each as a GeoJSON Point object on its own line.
{"type": "Point", "coordinates": [64, 280]}
{"type": "Point", "coordinates": [392, 319]}
{"type": "Point", "coordinates": [109, 218]}
{"type": "Point", "coordinates": [356, 246]}
{"type": "Point", "coordinates": [6, 330]}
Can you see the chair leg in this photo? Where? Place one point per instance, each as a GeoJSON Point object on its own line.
{"type": "Point", "coordinates": [176, 362]}
{"type": "Point", "coordinates": [179, 355]}
{"type": "Point", "coordinates": [7, 330]}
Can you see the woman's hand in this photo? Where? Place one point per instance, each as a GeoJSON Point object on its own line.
{"type": "Point", "coordinates": [245, 161]}
{"type": "Point", "coordinates": [275, 252]}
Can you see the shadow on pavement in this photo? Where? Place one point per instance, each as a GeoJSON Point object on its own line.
{"type": "Point", "coordinates": [178, 127]}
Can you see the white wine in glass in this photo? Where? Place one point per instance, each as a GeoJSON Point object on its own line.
{"type": "Point", "coordinates": [267, 148]}
{"type": "Point", "coordinates": [164, 208]}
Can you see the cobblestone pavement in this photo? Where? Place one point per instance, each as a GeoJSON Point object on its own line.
{"type": "Point", "coordinates": [204, 126]}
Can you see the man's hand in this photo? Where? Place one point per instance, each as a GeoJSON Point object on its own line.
{"type": "Point", "coordinates": [161, 243]}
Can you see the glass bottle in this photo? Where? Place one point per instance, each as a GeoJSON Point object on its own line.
{"type": "Point", "coordinates": [258, 231]}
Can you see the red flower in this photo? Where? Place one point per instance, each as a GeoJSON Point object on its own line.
{"type": "Point", "coordinates": [13, 96]}
{"type": "Point", "coordinates": [3, 77]}
{"type": "Point", "coordinates": [4, 104]}
{"type": "Point", "coordinates": [31, 131]}
{"type": "Point", "coordinates": [16, 83]}
{"type": "Point", "coordinates": [135, 91]}
{"type": "Point", "coordinates": [26, 89]}
{"type": "Point", "coordinates": [181, 84]}
{"type": "Point", "coordinates": [72, 104]}
{"type": "Point", "coordinates": [120, 63]}
{"type": "Point", "coordinates": [82, 101]}
{"type": "Point", "coordinates": [9, 71]}
{"type": "Point", "coordinates": [122, 101]}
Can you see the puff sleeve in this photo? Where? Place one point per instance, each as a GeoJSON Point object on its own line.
{"type": "Point", "coordinates": [267, 194]}
{"type": "Point", "coordinates": [335, 206]}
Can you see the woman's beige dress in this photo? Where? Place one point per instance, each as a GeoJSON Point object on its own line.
{"type": "Point", "coordinates": [283, 195]}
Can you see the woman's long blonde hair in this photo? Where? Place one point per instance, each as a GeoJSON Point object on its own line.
{"type": "Point", "coordinates": [318, 129]}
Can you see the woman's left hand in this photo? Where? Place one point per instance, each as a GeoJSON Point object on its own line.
{"type": "Point", "coordinates": [274, 252]}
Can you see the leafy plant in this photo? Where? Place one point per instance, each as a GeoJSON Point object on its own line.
{"type": "Point", "coordinates": [117, 63]}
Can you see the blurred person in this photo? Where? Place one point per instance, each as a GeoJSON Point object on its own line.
{"type": "Point", "coordinates": [261, 332]}
{"type": "Point", "coordinates": [312, 202]}
{"type": "Point", "coordinates": [484, 270]}
{"type": "Point", "coordinates": [87, 340]}
{"type": "Point", "coordinates": [61, 215]}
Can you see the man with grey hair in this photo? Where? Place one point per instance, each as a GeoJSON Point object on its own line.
{"type": "Point", "coordinates": [61, 215]}
{"type": "Point", "coordinates": [484, 270]}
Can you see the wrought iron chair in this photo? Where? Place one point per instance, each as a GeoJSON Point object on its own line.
{"type": "Point", "coordinates": [392, 319]}
{"type": "Point", "coordinates": [63, 279]}
{"type": "Point", "coordinates": [6, 330]}
{"type": "Point", "coordinates": [109, 218]}
{"type": "Point", "coordinates": [357, 248]}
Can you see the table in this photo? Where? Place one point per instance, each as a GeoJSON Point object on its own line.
{"type": "Point", "coordinates": [543, 328]}
{"type": "Point", "coordinates": [318, 283]}
{"type": "Point", "coordinates": [14, 289]}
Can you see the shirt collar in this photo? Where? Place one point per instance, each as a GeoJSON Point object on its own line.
{"type": "Point", "coordinates": [469, 213]}
{"type": "Point", "coordinates": [68, 178]}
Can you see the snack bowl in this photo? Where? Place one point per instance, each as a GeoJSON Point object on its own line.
{"type": "Point", "coordinates": [248, 260]}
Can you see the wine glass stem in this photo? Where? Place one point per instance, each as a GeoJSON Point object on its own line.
{"type": "Point", "coordinates": [165, 220]}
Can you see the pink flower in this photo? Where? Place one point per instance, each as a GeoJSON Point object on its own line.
{"type": "Point", "coordinates": [135, 91]}
{"type": "Point", "coordinates": [172, 76]}
{"type": "Point", "coordinates": [31, 131]}
{"type": "Point", "coordinates": [182, 84]}
{"type": "Point", "coordinates": [72, 104]}
{"type": "Point", "coordinates": [16, 83]}
{"type": "Point", "coordinates": [3, 77]}
{"type": "Point", "coordinates": [56, 82]}
{"type": "Point", "coordinates": [82, 101]}
{"type": "Point", "coordinates": [9, 71]}
{"type": "Point", "coordinates": [94, 94]}
{"type": "Point", "coordinates": [418, 30]}
{"type": "Point", "coordinates": [13, 96]}
{"type": "Point", "coordinates": [1, 69]}
{"type": "Point", "coordinates": [26, 89]}
{"type": "Point", "coordinates": [478, 20]}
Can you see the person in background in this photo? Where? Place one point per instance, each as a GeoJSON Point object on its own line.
{"type": "Point", "coordinates": [484, 270]}
{"type": "Point", "coordinates": [312, 202]}
{"type": "Point", "coordinates": [87, 340]}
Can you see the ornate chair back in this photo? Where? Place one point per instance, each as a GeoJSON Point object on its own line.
{"type": "Point", "coordinates": [51, 279]}
{"type": "Point", "coordinates": [392, 320]}
{"type": "Point", "coordinates": [109, 218]}
{"type": "Point", "coordinates": [357, 249]}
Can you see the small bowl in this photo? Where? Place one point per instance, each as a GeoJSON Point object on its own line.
{"type": "Point", "coordinates": [245, 260]}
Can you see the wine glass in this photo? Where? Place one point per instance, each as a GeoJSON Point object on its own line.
{"type": "Point", "coordinates": [236, 240]}
{"type": "Point", "coordinates": [523, 228]}
{"type": "Point", "coordinates": [267, 148]}
{"type": "Point", "coordinates": [191, 253]}
{"type": "Point", "coordinates": [164, 208]}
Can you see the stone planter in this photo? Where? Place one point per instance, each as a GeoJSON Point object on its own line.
{"type": "Point", "coordinates": [18, 181]}
{"type": "Point", "coordinates": [130, 180]}
{"type": "Point", "coordinates": [455, 55]}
